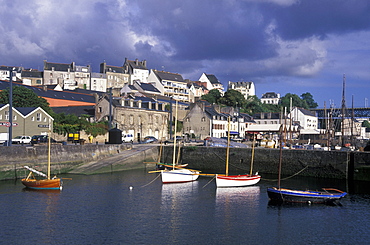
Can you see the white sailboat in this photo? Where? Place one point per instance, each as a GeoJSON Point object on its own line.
{"type": "Point", "coordinates": [178, 174]}
{"type": "Point", "coordinates": [236, 180]}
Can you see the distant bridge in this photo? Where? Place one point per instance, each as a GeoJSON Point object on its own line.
{"type": "Point", "coordinates": [336, 113]}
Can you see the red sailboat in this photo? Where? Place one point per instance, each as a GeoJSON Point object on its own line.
{"type": "Point", "coordinates": [46, 183]}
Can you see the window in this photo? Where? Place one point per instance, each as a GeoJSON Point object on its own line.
{"type": "Point", "coordinates": [6, 115]}
{"type": "Point", "coordinates": [38, 117]}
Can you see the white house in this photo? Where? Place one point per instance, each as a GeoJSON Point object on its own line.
{"type": "Point", "coordinates": [137, 70]}
{"type": "Point", "coordinates": [245, 88]}
{"type": "Point", "coordinates": [211, 82]}
{"type": "Point", "coordinates": [270, 98]}
{"type": "Point", "coordinates": [170, 85]}
{"type": "Point", "coordinates": [305, 118]}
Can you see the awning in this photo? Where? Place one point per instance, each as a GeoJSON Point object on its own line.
{"type": "Point", "coordinates": [233, 133]}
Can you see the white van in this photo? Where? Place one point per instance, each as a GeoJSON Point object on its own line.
{"type": "Point", "coordinates": [127, 138]}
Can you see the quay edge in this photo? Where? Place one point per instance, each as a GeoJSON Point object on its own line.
{"type": "Point", "coordinates": [78, 159]}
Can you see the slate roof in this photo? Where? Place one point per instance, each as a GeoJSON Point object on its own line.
{"type": "Point", "coordinates": [58, 66]}
{"type": "Point", "coordinates": [115, 69]}
{"type": "Point", "coordinates": [136, 65]}
{"type": "Point", "coordinates": [32, 73]}
{"type": "Point", "coordinates": [149, 87]}
{"type": "Point", "coordinates": [25, 110]}
{"type": "Point", "coordinates": [168, 76]}
{"type": "Point", "coordinates": [212, 78]}
{"type": "Point", "coordinates": [75, 110]}
{"type": "Point", "coordinates": [307, 112]}
{"type": "Point", "coordinates": [270, 95]}
{"type": "Point", "coordinates": [22, 110]}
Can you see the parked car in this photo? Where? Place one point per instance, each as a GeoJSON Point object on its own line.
{"type": "Point", "coordinates": [37, 139]}
{"type": "Point", "coordinates": [21, 139]}
{"type": "Point", "coordinates": [149, 139]}
{"type": "Point", "coordinates": [179, 139]}
{"type": "Point", "coordinates": [128, 138]}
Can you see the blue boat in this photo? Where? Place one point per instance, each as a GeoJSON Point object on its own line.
{"type": "Point", "coordinates": [278, 194]}
{"type": "Point", "coordinates": [326, 196]}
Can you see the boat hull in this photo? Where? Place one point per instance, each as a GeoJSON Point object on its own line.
{"type": "Point", "coordinates": [237, 180]}
{"type": "Point", "coordinates": [297, 196]}
{"type": "Point", "coordinates": [44, 184]}
{"type": "Point", "coordinates": [179, 176]}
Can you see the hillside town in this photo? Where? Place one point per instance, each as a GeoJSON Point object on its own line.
{"type": "Point", "coordinates": [140, 102]}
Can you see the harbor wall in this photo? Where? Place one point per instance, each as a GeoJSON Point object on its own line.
{"type": "Point", "coordinates": [63, 158]}
{"type": "Point", "coordinates": [312, 163]}
{"type": "Point", "coordinates": [69, 158]}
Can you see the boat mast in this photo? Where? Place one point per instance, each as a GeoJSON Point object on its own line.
{"type": "Point", "coordinates": [49, 142]}
{"type": "Point", "coordinates": [228, 146]}
{"type": "Point", "coordinates": [252, 159]}
{"type": "Point", "coordinates": [343, 107]}
{"type": "Point", "coordinates": [174, 141]}
{"type": "Point", "coordinates": [280, 156]}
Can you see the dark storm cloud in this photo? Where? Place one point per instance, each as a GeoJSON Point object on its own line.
{"type": "Point", "coordinates": [279, 44]}
{"type": "Point", "coordinates": [320, 18]}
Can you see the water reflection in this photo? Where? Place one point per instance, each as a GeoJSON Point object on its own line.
{"type": "Point", "coordinates": [45, 211]}
{"type": "Point", "coordinates": [177, 200]}
{"type": "Point", "coordinates": [249, 195]}
{"type": "Point", "coordinates": [233, 203]}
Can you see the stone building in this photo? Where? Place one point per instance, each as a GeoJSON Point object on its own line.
{"type": "Point", "coordinates": [140, 116]}
{"type": "Point", "coordinates": [59, 73]}
{"type": "Point", "coordinates": [204, 119]}
{"type": "Point", "coordinates": [116, 75]}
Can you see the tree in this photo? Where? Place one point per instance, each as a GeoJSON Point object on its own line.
{"type": "Point", "coordinates": [253, 105]}
{"type": "Point", "coordinates": [233, 98]}
{"type": "Point", "coordinates": [296, 101]}
{"type": "Point", "coordinates": [309, 100]}
{"type": "Point", "coordinates": [366, 124]}
{"type": "Point", "coordinates": [24, 97]}
{"type": "Point", "coordinates": [213, 96]}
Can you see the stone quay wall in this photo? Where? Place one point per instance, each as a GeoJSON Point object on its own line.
{"type": "Point", "coordinates": [311, 163]}
{"type": "Point", "coordinates": [63, 158]}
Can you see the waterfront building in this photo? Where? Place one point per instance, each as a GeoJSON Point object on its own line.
{"type": "Point", "coordinates": [26, 120]}
{"type": "Point", "coordinates": [270, 98]}
{"type": "Point", "coordinates": [137, 115]}
{"type": "Point", "coordinates": [245, 88]}
{"type": "Point", "coordinates": [204, 119]}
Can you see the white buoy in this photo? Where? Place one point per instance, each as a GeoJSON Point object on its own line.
{"type": "Point", "coordinates": [131, 188]}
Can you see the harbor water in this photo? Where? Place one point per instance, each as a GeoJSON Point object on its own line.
{"type": "Point", "coordinates": [134, 207]}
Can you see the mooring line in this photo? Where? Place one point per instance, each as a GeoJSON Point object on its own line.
{"type": "Point", "coordinates": [150, 181]}
{"type": "Point", "coordinates": [300, 171]}
{"type": "Point", "coordinates": [209, 182]}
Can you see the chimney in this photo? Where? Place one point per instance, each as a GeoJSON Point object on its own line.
{"type": "Point", "coordinates": [144, 63]}
{"type": "Point", "coordinates": [137, 62]}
